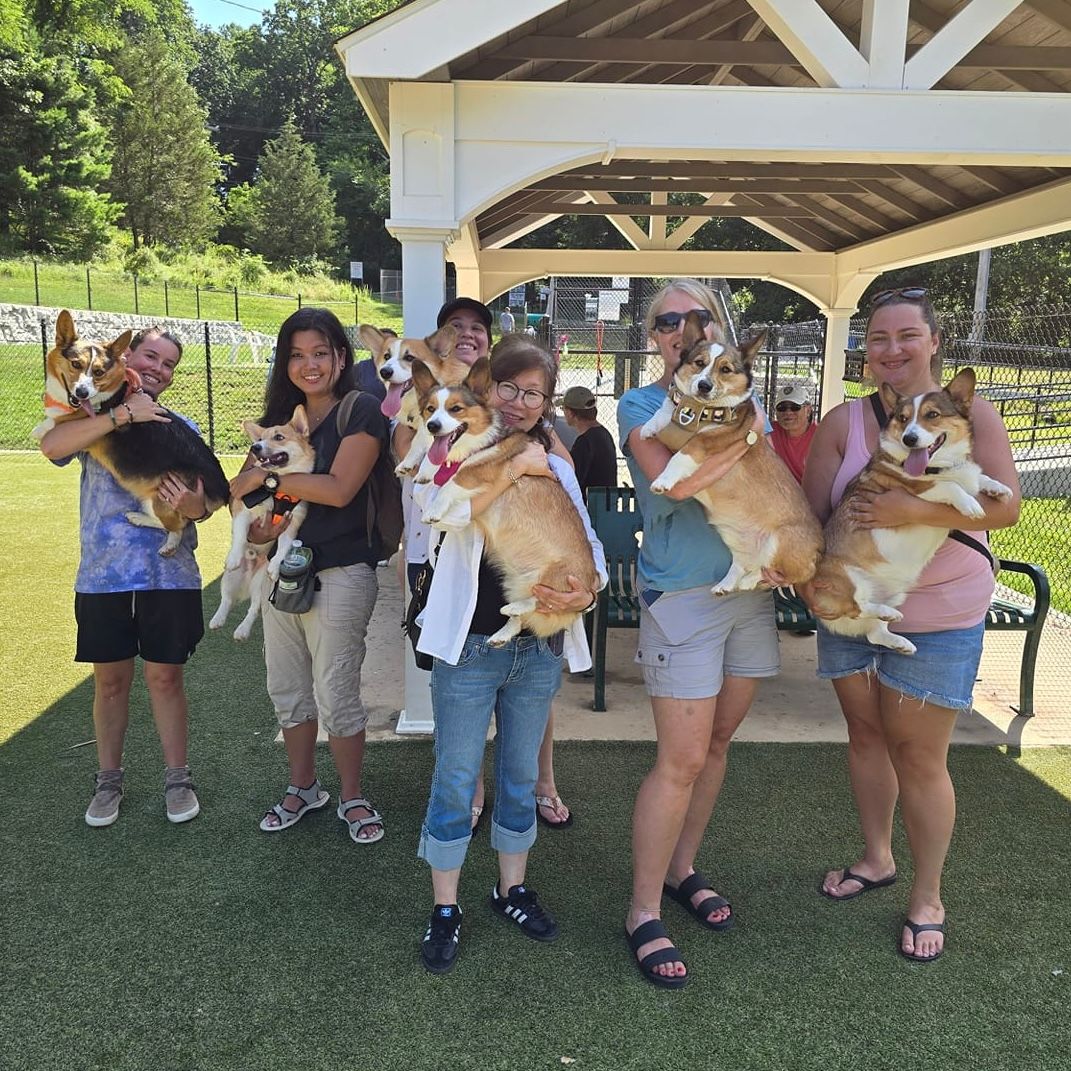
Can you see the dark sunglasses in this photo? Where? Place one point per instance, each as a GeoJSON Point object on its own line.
{"type": "Point", "coordinates": [668, 322]}
{"type": "Point", "coordinates": [788, 407]}
{"type": "Point", "coordinates": [909, 293]}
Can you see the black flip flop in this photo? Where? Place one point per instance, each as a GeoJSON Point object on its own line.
{"type": "Point", "coordinates": [916, 928]}
{"type": "Point", "coordinates": [684, 892]}
{"type": "Point", "coordinates": [651, 931]}
{"type": "Point", "coordinates": [866, 883]}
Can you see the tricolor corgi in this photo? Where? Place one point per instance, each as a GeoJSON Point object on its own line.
{"type": "Point", "coordinates": [757, 507]}
{"type": "Point", "coordinates": [532, 532]}
{"type": "Point", "coordinates": [85, 378]}
{"type": "Point", "coordinates": [925, 449]}
{"type": "Point", "coordinates": [394, 358]}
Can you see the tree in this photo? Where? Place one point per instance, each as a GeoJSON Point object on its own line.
{"type": "Point", "coordinates": [293, 213]}
{"type": "Point", "coordinates": [52, 158]}
{"type": "Point", "coordinates": [165, 167]}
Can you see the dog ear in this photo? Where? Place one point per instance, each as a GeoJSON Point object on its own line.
{"type": "Point", "coordinates": [442, 342]}
{"type": "Point", "coordinates": [961, 389]}
{"type": "Point", "coordinates": [692, 333]}
{"type": "Point", "coordinates": [120, 345]}
{"type": "Point", "coordinates": [254, 431]}
{"type": "Point", "coordinates": [890, 399]}
{"type": "Point", "coordinates": [479, 378]}
{"type": "Point", "coordinates": [372, 337]}
{"type": "Point", "coordinates": [300, 421]}
{"type": "Point", "coordinates": [749, 350]}
{"type": "Point", "coordinates": [423, 380]}
{"type": "Point", "coordinates": [65, 333]}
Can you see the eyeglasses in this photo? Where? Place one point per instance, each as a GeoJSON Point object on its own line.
{"type": "Point", "coordinates": [788, 407]}
{"type": "Point", "coordinates": [530, 399]}
{"type": "Point", "coordinates": [668, 322]}
{"type": "Point", "coordinates": [909, 293]}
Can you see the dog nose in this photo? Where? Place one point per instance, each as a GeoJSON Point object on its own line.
{"type": "Point", "coordinates": [910, 439]}
{"type": "Point", "coordinates": [257, 448]}
{"type": "Point", "coordinates": [385, 373]}
{"type": "Point", "coordinates": [434, 426]}
{"type": "Point", "coordinates": [705, 386]}
{"type": "Point", "coordinates": [81, 392]}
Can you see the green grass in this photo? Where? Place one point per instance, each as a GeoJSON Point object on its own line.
{"type": "Point", "coordinates": [212, 947]}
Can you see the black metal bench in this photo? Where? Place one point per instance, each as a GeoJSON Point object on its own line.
{"type": "Point", "coordinates": [618, 524]}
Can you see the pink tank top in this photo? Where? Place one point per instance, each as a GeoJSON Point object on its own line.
{"type": "Point", "coordinates": [955, 589]}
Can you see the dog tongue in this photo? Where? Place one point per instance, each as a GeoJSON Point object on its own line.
{"type": "Point", "coordinates": [915, 465]}
{"type": "Point", "coordinates": [392, 404]}
{"type": "Point", "coordinates": [88, 409]}
{"type": "Point", "coordinates": [438, 450]}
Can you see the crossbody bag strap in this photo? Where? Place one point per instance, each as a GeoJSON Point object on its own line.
{"type": "Point", "coordinates": [345, 411]}
{"type": "Point", "coordinates": [879, 410]}
{"type": "Point", "coordinates": [975, 544]}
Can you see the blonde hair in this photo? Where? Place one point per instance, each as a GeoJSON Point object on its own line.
{"type": "Point", "coordinates": [692, 288]}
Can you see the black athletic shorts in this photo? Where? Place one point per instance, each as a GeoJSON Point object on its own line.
{"type": "Point", "coordinates": [161, 626]}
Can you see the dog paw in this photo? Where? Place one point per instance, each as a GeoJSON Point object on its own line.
{"type": "Point", "coordinates": [233, 562]}
{"type": "Point", "coordinates": [217, 621]}
{"type": "Point", "coordinates": [401, 471]}
{"type": "Point", "coordinates": [972, 508]}
{"type": "Point", "coordinates": [241, 633]}
{"type": "Point", "coordinates": [660, 488]}
{"type": "Point", "coordinates": [997, 491]}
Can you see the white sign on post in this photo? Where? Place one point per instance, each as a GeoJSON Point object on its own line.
{"type": "Point", "coordinates": [357, 269]}
{"type": "Point", "coordinates": [516, 296]}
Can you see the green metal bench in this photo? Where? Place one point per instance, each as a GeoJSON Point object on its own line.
{"type": "Point", "coordinates": [616, 519]}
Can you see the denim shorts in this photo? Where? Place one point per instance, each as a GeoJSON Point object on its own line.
{"type": "Point", "coordinates": [691, 640]}
{"type": "Point", "coordinates": [942, 671]}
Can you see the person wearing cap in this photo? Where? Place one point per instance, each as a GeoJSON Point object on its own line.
{"type": "Point", "coordinates": [594, 453]}
{"type": "Point", "coordinates": [794, 429]}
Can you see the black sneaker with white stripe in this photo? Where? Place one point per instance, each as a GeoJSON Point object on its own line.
{"type": "Point", "coordinates": [439, 950]}
{"type": "Point", "coordinates": [522, 906]}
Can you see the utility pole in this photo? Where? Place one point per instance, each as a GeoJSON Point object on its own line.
{"type": "Point", "coordinates": [981, 295]}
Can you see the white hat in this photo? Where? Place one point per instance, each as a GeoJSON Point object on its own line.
{"type": "Point", "coordinates": [792, 392]}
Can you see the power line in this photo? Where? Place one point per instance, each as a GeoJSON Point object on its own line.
{"type": "Point", "coordinates": [234, 3]}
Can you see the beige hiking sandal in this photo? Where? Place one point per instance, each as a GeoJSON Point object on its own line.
{"type": "Point", "coordinates": [179, 795]}
{"type": "Point", "coordinates": [103, 808]}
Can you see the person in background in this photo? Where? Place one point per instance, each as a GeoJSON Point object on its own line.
{"type": "Point", "coordinates": [795, 427]}
{"type": "Point", "coordinates": [507, 325]}
{"type": "Point", "coordinates": [128, 600]}
{"type": "Point", "coordinates": [593, 450]}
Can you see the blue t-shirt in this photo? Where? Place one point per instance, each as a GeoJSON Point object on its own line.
{"type": "Point", "coordinates": [120, 556]}
{"type": "Point", "coordinates": [680, 550]}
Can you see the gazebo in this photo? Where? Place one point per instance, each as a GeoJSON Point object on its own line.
{"type": "Point", "coordinates": [865, 135]}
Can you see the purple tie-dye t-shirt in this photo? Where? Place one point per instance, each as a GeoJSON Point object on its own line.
{"type": "Point", "coordinates": [120, 556]}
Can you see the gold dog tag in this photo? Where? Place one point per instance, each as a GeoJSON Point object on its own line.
{"type": "Point", "coordinates": [752, 437]}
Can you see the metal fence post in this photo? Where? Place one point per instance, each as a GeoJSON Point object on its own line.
{"type": "Point", "coordinates": [36, 286]}
{"type": "Point", "coordinates": [236, 316]}
{"type": "Point", "coordinates": [299, 301]}
{"type": "Point", "coordinates": [167, 304]}
{"type": "Point", "coordinates": [89, 292]}
{"type": "Point", "coordinates": [136, 309]}
{"type": "Point", "coordinates": [44, 345]}
{"type": "Point", "coordinates": [356, 310]}
{"type": "Point", "coordinates": [197, 298]}
{"type": "Point", "coordinates": [208, 383]}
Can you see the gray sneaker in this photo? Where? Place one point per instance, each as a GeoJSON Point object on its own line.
{"type": "Point", "coordinates": [103, 808]}
{"type": "Point", "coordinates": [179, 795]}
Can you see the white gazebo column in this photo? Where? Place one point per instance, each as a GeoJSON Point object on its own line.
{"type": "Point", "coordinates": [423, 292]}
{"type": "Point", "coordinates": [837, 324]}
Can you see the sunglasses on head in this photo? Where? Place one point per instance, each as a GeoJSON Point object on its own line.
{"type": "Point", "coordinates": [908, 293]}
{"type": "Point", "coordinates": [668, 322]}
{"type": "Point", "coordinates": [788, 407]}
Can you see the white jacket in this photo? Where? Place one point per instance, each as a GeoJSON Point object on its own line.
{"type": "Point", "coordinates": [452, 599]}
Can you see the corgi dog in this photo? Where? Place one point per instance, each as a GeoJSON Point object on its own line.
{"type": "Point", "coordinates": [85, 378]}
{"type": "Point", "coordinates": [394, 358]}
{"type": "Point", "coordinates": [81, 375]}
{"type": "Point", "coordinates": [532, 532]}
{"type": "Point", "coordinates": [925, 449]}
{"type": "Point", "coordinates": [757, 507]}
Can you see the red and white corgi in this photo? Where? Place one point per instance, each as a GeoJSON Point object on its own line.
{"type": "Point", "coordinates": [532, 532]}
{"type": "Point", "coordinates": [282, 449]}
{"type": "Point", "coordinates": [757, 507]}
{"type": "Point", "coordinates": [925, 449]}
{"type": "Point", "coordinates": [394, 358]}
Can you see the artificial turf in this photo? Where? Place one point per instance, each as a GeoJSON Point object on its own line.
{"type": "Point", "coordinates": [213, 946]}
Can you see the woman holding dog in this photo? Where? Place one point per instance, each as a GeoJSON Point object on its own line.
{"type": "Point", "coordinates": [701, 657]}
{"type": "Point", "coordinates": [899, 727]}
{"type": "Point", "coordinates": [129, 600]}
{"type": "Point", "coordinates": [471, 680]}
{"type": "Point", "coordinates": [314, 659]}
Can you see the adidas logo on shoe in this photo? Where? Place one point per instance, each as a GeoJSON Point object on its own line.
{"type": "Point", "coordinates": [522, 907]}
{"type": "Point", "coordinates": [439, 949]}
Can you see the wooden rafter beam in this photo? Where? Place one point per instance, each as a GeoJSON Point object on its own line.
{"type": "Point", "coordinates": [618, 209]}
{"type": "Point", "coordinates": [831, 217]}
{"type": "Point", "coordinates": [641, 169]}
{"type": "Point", "coordinates": [893, 196]}
{"type": "Point", "coordinates": [806, 235]}
{"type": "Point", "coordinates": [926, 180]}
{"type": "Point", "coordinates": [704, 186]}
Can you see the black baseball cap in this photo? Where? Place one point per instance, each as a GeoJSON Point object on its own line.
{"type": "Point", "coordinates": [478, 307]}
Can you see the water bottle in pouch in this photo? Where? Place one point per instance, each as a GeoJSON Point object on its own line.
{"type": "Point", "coordinates": [296, 585]}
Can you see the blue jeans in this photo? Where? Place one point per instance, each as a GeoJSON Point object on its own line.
{"type": "Point", "coordinates": [517, 683]}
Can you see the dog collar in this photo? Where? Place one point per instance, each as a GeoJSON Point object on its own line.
{"type": "Point", "coordinates": [692, 417]}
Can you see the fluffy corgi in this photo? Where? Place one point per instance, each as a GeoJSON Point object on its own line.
{"type": "Point", "coordinates": [925, 449]}
{"type": "Point", "coordinates": [757, 507]}
{"type": "Point", "coordinates": [282, 449]}
{"type": "Point", "coordinates": [394, 358]}
{"type": "Point", "coordinates": [532, 532]}
{"type": "Point", "coordinates": [94, 375]}
{"type": "Point", "coordinates": [81, 376]}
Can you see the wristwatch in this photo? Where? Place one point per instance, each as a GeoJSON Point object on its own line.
{"type": "Point", "coordinates": [271, 482]}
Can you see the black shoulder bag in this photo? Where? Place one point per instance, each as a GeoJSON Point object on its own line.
{"type": "Point", "coordinates": [960, 537]}
{"type": "Point", "coordinates": [417, 602]}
